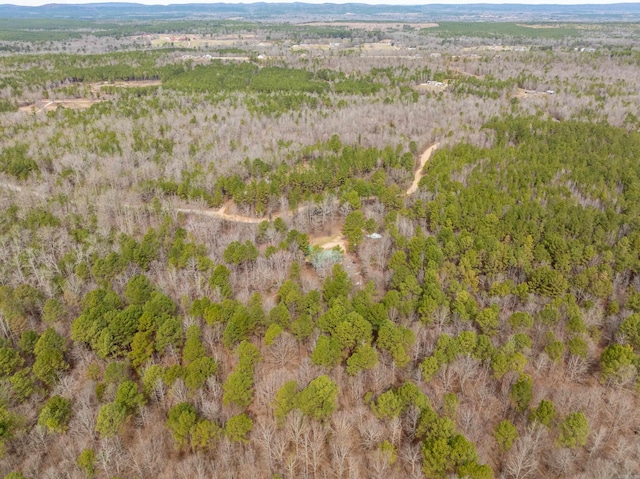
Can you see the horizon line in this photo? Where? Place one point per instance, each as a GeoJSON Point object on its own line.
{"type": "Point", "coordinates": [335, 2]}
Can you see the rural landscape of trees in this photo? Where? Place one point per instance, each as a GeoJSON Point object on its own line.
{"type": "Point", "coordinates": [321, 250]}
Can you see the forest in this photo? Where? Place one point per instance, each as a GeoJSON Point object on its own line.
{"type": "Point", "coordinates": [340, 249]}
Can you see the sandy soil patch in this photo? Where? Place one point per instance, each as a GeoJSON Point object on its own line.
{"type": "Point", "coordinates": [350, 261]}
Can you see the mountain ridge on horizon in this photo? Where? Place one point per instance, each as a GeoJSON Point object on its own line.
{"type": "Point", "coordinates": [297, 10]}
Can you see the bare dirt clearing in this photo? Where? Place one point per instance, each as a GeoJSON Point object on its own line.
{"type": "Point", "coordinates": [350, 261]}
{"type": "Point", "coordinates": [329, 242]}
{"type": "Point", "coordinates": [497, 48]}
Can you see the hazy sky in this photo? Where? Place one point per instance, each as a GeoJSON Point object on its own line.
{"type": "Point", "coordinates": [372, 2]}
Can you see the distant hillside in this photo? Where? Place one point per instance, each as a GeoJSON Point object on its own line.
{"type": "Point", "coordinates": [287, 11]}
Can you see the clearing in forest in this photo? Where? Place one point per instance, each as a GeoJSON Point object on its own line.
{"type": "Point", "coordinates": [349, 261]}
{"type": "Point", "coordinates": [50, 105]}
{"type": "Point", "coordinates": [329, 242]}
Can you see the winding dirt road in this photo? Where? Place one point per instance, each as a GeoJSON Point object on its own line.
{"type": "Point", "coordinates": [350, 261]}
{"type": "Point", "coordinates": [222, 212]}
{"type": "Point", "coordinates": [236, 218]}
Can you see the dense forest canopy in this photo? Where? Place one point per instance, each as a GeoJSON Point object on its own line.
{"type": "Point", "coordinates": [332, 249]}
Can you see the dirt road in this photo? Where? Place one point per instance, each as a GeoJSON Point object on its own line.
{"type": "Point", "coordinates": [350, 261]}
{"type": "Point", "coordinates": [222, 214]}
{"type": "Point", "coordinates": [326, 242]}
{"type": "Point", "coordinates": [426, 156]}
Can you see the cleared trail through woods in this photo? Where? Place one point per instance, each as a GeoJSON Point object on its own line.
{"type": "Point", "coordinates": [426, 156]}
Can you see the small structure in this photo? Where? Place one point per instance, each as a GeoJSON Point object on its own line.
{"type": "Point", "coordinates": [374, 236]}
